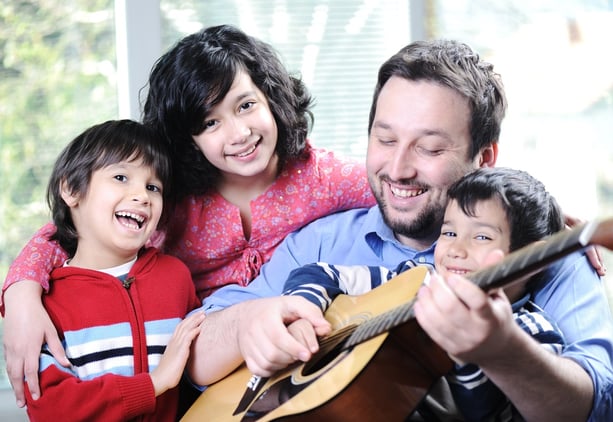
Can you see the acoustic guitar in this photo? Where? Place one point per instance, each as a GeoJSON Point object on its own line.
{"type": "Point", "coordinates": [377, 363]}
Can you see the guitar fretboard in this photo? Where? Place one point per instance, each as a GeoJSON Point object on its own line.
{"type": "Point", "coordinates": [515, 266]}
{"type": "Point", "coordinates": [533, 258]}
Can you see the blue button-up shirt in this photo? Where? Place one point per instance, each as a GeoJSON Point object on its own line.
{"type": "Point", "coordinates": [571, 292]}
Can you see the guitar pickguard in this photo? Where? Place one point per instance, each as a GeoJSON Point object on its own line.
{"type": "Point", "coordinates": [284, 388]}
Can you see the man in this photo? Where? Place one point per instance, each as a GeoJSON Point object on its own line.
{"type": "Point", "coordinates": [435, 116]}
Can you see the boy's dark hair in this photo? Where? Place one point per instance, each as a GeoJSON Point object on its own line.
{"type": "Point", "coordinates": [196, 74]}
{"type": "Point", "coordinates": [532, 213]}
{"type": "Point", "coordinates": [97, 147]}
{"type": "Point", "coordinates": [454, 65]}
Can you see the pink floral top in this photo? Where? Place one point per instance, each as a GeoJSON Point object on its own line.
{"type": "Point", "coordinates": [206, 232]}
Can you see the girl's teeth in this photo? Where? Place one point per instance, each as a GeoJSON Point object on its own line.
{"type": "Point", "coordinates": [243, 154]}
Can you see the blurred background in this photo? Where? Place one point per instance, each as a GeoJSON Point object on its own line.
{"type": "Point", "coordinates": [68, 64]}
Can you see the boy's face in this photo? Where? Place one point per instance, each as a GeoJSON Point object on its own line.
{"type": "Point", "coordinates": [465, 241]}
{"type": "Point", "coordinates": [117, 215]}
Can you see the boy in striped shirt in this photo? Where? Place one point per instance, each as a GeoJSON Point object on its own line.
{"type": "Point", "coordinates": [490, 210]}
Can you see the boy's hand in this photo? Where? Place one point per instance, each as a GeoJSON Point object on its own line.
{"type": "Point", "coordinates": [170, 369]}
{"type": "Point", "coordinates": [304, 332]}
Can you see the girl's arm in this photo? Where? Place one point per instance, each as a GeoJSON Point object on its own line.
{"type": "Point", "coordinates": [35, 261]}
{"type": "Point", "coordinates": [26, 322]}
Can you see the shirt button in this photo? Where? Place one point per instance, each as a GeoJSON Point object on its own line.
{"type": "Point", "coordinates": [421, 259]}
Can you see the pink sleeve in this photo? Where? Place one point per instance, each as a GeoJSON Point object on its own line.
{"type": "Point", "coordinates": [35, 261]}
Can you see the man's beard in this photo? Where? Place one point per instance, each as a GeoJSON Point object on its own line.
{"type": "Point", "coordinates": [425, 226]}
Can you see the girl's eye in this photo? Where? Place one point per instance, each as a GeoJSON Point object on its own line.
{"type": "Point", "coordinates": [120, 177]}
{"type": "Point", "coordinates": [482, 237]}
{"type": "Point", "coordinates": [448, 234]}
{"type": "Point", "coordinates": [247, 105]}
{"type": "Point", "coordinates": [209, 124]}
{"type": "Point", "coordinates": [154, 188]}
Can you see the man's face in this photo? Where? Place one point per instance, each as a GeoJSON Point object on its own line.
{"type": "Point", "coordinates": [419, 145]}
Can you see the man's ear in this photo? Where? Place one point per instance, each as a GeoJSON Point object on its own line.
{"type": "Point", "coordinates": [489, 155]}
{"type": "Point", "coordinates": [70, 198]}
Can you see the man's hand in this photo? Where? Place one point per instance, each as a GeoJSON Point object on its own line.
{"type": "Point", "coordinates": [462, 319]}
{"type": "Point", "coordinates": [465, 321]}
{"type": "Point", "coordinates": [26, 328]}
{"type": "Point", "coordinates": [265, 341]}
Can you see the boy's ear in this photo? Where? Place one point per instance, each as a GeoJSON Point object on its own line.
{"type": "Point", "coordinates": [68, 196]}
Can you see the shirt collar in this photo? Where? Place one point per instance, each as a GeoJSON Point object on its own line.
{"type": "Point", "coordinates": [376, 233]}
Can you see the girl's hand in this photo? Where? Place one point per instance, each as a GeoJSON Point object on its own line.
{"type": "Point", "coordinates": [27, 327]}
{"type": "Point", "coordinates": [592, 252]}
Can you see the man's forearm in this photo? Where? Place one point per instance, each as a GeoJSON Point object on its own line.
{"type": "Point", "coordinates": [215, 352]}
{"type": "Point", "coordinates": [542, 386]}
{"type": "Point", "coordinates": [255, 331]}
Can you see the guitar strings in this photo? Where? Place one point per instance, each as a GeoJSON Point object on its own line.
{"type": "Point", "coordinates": [360, 332]}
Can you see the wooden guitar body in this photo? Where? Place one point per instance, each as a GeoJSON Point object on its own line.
{"type": "Point", "coordinates": [384, 377]}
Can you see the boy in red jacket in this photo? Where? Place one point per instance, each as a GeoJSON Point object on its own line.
{"type": "Point", "coordinates": [118, 306]}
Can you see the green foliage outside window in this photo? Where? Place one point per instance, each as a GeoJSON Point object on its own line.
{"type": "Point", "coordinates": [57, 77]}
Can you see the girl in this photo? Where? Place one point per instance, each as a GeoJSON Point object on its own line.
{"type": "Point", "coordinates": [245, 174]}
{"type": "Point", "coordinates": [254, 177]}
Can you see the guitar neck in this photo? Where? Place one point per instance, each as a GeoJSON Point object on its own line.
{"type": "Point", "coordinates": [515, 266]}
{"type": "Point", "coordinates": [531, 259]}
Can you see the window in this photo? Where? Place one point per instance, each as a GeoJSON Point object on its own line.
{"type": "Point", "coordinates": [560, 89]}
{"type": "Point", "coordinates": [559, 82]}
{"type": "Point", "coordinates": [58, 77]}
{"type": "Point", "coordinates": [336, 47]}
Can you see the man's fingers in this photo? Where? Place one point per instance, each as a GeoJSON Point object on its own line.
{"type": "Point", "coordinates": [297, 307]}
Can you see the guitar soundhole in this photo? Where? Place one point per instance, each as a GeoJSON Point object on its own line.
{"type": "Point", "coordinates": [322, 359]}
